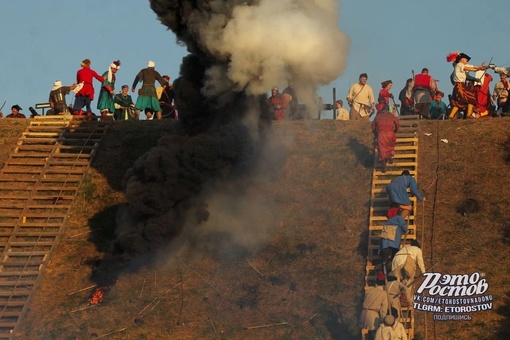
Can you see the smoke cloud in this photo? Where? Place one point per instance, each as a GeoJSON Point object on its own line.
{"type": "Point", "coordinates": [256, 45]}
{"type": "Point", "coordinates": [239, 50]}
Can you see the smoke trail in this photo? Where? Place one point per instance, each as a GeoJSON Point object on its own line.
{"type": "Point", "coordinates": [238, 50]}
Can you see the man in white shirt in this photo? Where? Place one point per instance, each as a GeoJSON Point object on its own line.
{"type": "Point", "coordinates": [361, 99]}
{"type": "Point", "coordinates": [405, 261]}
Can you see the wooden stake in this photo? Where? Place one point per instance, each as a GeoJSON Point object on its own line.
{"type": "Point", "coordinates": [212, 324]}
{"type": "Point", "coordinates": [156, 299]}
{"type": "Point", "coordinates": [266, 326]}
{"type": "Point", "coordinates": [85, 232]}
{"type": "Point", "coordinates": [72, 317]}
{"type": "Point", "coordinates": [81, 290]}
{"type": "Point", "coordinates": [117, 331]}
{"type": "Point", "coordinates": [83, 308]}
{"type": "Point", "coordinates": [313, 316]}
{"type": "Point", "coordinates": [255, 269]}
{"type": "Point", "coordinates": [143, 286]}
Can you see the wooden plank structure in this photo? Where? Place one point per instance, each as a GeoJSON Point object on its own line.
{"type": "Point", "coordinates": [38, 183]}
{"type": "Point", "coordinates": [406, 158]}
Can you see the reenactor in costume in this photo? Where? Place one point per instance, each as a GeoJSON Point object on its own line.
{"type": "Point", "coordinates": [123, 104]}
{"type": "Point", "coordinates": [423, 89]}
{"type": "Point", "coordinates": [105, 102]}
{"type": "Point", "coordinates": [375, 306]}
{"type": "Point", "coordinates": [463, 96]}
{"type": "Point", "coordinates": [147, 97]}
{"type": "Point", "coordinates": [57, 98]}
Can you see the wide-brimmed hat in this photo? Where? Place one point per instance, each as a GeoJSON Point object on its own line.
{"type": "Point", "coordinates": [462, 55]}
{"type": "Point", "coordinates": [17, 107]}
{"type": "Point", "coordinates": [56, 85]}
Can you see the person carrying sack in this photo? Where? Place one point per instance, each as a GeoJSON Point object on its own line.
{"type": "Point", "coordinates": [392, 232]}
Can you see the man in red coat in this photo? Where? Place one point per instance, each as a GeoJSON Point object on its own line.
{"type": "Point", "coordinates": [85, 95]}
{"type": "Point", "coordinates": [278, 103]}
{"type": "Point", "coordinates": [384, 127]}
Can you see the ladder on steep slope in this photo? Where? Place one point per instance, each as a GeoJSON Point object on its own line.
{"type": "Point", "coordinates": [406, 158]}
{"type": "Point", "coordinates": [38, 183]}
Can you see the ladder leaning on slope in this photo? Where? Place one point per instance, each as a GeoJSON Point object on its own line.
{"type": "Point", "coordinates": [406, 158]}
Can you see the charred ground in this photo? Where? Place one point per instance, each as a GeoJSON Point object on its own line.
{"type": "Point", "coordinates": [305, 278]}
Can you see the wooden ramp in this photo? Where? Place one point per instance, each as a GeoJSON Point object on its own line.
{"type": "Point", "coordinates": [38, 183]}
{"type": "Point", "coordinates": [406, 158]}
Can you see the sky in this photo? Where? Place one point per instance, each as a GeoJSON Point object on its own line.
{"type": "Point", "coordinates": [44, 41]}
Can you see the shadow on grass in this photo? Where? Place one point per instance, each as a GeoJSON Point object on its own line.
{"type": "Point", "coordinates": [503, 332]}
{"type": "Point", "coordinates": [336, 325]}
{"type": "Point", "coordinates": [106, 271]}
{"type": "Point", "coordinates": [364, 155]}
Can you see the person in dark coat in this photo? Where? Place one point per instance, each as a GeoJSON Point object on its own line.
{"type": "Point", "coordinates": [15, 112]}
{"type": "Point", "coordinates": [147, 97]}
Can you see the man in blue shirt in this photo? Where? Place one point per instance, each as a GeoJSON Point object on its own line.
{"type": "Point", "coordinates": [397, 192]}
{"type": "Point", "coordinates": [389, 247]}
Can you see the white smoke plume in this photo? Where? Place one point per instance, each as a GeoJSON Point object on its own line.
{"type": "Point", "coordinates": [260, 44]}
{"type": "Point", "coordinates": [270, 43]}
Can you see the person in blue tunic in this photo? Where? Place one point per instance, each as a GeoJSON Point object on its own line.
{"type": "Point", "coordinates": [397, 192]}
{"type": "Point", "coordinates": [389, 247]}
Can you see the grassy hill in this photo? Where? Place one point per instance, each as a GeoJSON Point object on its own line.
{"type": "Point", "coordinates": [290, 263]}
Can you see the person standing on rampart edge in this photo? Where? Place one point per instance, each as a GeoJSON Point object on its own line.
{"type": "Point", "coordinates": [361, 99]}
{"type": "Point", "coordinates": [147, 97]}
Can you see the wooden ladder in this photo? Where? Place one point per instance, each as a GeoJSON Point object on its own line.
{"type": "Point", "coordinates": [38, 183]}
{"type": "Point", "coordinates": [406, 158]}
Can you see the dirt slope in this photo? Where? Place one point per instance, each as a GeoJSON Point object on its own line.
{"type": "Point", "coordinates": [306, 280]}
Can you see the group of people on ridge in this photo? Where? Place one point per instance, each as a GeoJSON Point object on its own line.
{"type": "Point", "coordinates": [155, 102]}
{"type": "Point", "coordinates": [382, 304]}
{"type": "Point", "coordinates": [421, 95]}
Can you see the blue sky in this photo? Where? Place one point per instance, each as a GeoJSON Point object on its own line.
{"type": "Point", "coordinates": [43, 41]}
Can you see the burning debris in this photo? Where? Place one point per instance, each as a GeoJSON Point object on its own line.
{"type": "Point", "coordinates": [238, 51]}
{"type": "Point", "coordinates": [98, 295]}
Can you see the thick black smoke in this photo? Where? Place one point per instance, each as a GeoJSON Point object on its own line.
{"type": "Point", "coordinates": [225, 124]}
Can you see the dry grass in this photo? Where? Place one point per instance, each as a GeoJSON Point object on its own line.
{"type": "Point", "coordinates": [307, 280]}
